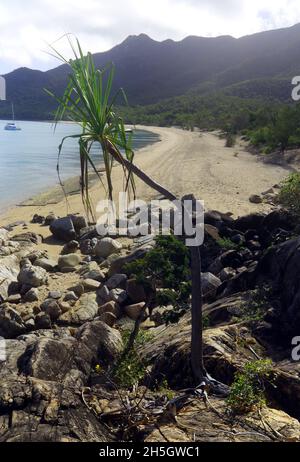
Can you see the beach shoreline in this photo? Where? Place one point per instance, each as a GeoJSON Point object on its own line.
{"type": "Point", "coordinates": [184, 162]}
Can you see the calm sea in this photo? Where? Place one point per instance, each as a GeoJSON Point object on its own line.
{"type": "Point", "coordinates": [28, 158]}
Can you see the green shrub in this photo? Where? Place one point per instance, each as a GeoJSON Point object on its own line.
{"type": "Point", "coordinates": [130, 370]}
{"type": "Point", "coordinates": [165, 390]}
{"type": "Point", "coordinates": [255, 308]}
{"type": "Point", "coordinates": [166, 266]}
{"type": "Point", "coordinates": [227, 244]}
{"type": "Point", "coordinates": [247, 392]}
{"type": "Point", "coordinates": [289, 195]}
{"type": "Point", "coordinates": [230, 140]}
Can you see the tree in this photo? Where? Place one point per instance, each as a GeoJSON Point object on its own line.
{"type": "Point", "coordinates": [88, 99]}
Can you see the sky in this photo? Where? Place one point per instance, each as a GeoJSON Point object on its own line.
{"type": "Point", "coordinates": [27, 27]}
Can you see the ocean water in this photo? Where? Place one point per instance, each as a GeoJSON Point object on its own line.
{"type": "Point", "coordinates": [28, 158]}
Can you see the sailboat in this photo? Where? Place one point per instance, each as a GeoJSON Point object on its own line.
{"type": "Point", "coordinates": [11, 125]}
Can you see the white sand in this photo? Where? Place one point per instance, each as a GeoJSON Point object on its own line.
{"type": "Point", "coordinates": [184, 162]}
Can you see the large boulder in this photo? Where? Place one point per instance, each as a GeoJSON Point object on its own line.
{"type": "Point", "coordinates": [69, 261]}
{"type": "Point", "coordinates": [280, 268]}
{"type": "Point", "coordinates": [210, 285]}
{"type": "Point", "coordinates": [63, 229]}
{"type": "Point", "coordinates": [85, 310]}
{"type": "Point", "coordinates": [32, 276]}
{"type": "Point", "coordinates": [40, 398]}
{"type": "Point", "coordinates": [11, 323]}
{"type": "Point", "coordinates": [9, 270]}
{"type": "Point", "coordinates": [106, 247]}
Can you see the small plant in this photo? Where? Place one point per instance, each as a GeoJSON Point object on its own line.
{"type": "Point", "coordinates": [228, 244]}
{"type": "Point", "coordinates": [130, 370]}
{"type": "Point", "coordinates": [230, 140]}
{"type": "Point", "coordinates": [166, 267]}
{"type": "Point", "coordinates": [247, 392]}
{"type": "Point", "coordinates": [205, 322]}
{"type": "Point", "coordinates": [289, 195]}
{"type": "Point", "coordinates": [165, 390]}
{"type": "Point", "coordinates": [255, 308]}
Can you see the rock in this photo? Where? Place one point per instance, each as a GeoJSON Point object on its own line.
{"type": "Point", "coordinates": [78, 290]}
{"type": "Point", "coordinates": [226, 274]}
{"type": "Point", "coordinates": [32, 276]}
{"type": "Point", "coordinates": [110, 307]}
{"type": "Point", "coordinates": [9, 270]}
{"type": "Point", "coordinates": [118, 280]}
{"type": "Point", "coordinates": [90, 284]}
{"type": "Point", "coordinates": [30, 325]}
{"type": "Point", "coordinates": [238, 239]}
{"type": "Point", "coordinates": [217, 219]}
{"type": "Point", "coordinates": [252, 221]}
{"type": "Point", "coordinates": [55, 294]}
{"type": "Point", "coordinates": [106, 247]}
{"type": "Point", "coordinates": [11, 323]}
{"type": "Point", "coordinates": [52, 308]}
{"type": "Point", "coordinates": [28, 238]}
{"type": "Point", "coordinates": [159, 313]}
{"type": "Point", "coordinates": [69, 261]}
{"type": "Point", "coordinates": [92, 271]}
{"type": "Point", "coordinates": [253, 246]}
{"type": "Point", "coordinates": [280, 267]}
{"type": "Point", "coordinates": [70, 247]}
{"type": "Point", "coordinates": [118, 264]}
{"type": "Point", "coordinates": [46, 263]}
{"type": "Point", "coordinates": [14, 299]}
{"type": "Point", "coordinates": [108, 318]}
{"type": "Point", "coordinates": [255, 199]}
{"type": "Point", "coordinates": [248, 428]}
{"type": "Point", "coordinates": [210, 284]}
{"type": "Point", "coordinates": [38, 219]}
{"type": "Point", "coordinates": [63, 229]}
{"type": "Point", "coordinates": [104, 294]}
{"type": "Point", "coordinates": [32, 295]}
{"type": "Point", "coordinates": [87, 246]}
{"type": "Point", "coordinates": [64, 306]}
{"type": "Point", "coordinates": [135, 291]}
{"type": "Point", "coordinates": [49, 219]}
{"type": "Point", "coordinates": [118, 295]}
{"type": "Point", "coordinates": [79, 223]}
{"type": "Point", "coordinates": [85, 311]}
{"type": "Point", "coordinates": [280, 219]}
{"type": "Point", "coordinates": [231, 258]}
{"type": "Point", "coordinates": [39, 398]}
{"type": "Point", "coordinates": [70, 297]}
{"type": "Point", "coordinates": [43, 321]}
{"type": "Point", "coordinates": [134, 311]}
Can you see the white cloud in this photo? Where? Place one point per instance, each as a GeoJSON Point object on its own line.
{"type": "Point", "coordinates": [25, 27]}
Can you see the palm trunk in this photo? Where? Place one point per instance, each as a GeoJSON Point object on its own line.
{"type": "Point", "coordinates": [197, 328]}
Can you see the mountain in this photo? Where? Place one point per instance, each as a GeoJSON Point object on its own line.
{"type": "Point", "coordinates": [151, 71]}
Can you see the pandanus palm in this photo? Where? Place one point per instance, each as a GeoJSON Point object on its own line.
{"type": "Point", "coordinates": [88, 101]}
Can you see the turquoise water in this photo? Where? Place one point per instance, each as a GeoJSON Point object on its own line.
{"type": "Point", "coordinates": [28, 158]}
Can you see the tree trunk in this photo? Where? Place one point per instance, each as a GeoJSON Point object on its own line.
{"type": "Point", "coordinates": [197, 324]}
{"type": "Point", "coordinates": [197, 328]}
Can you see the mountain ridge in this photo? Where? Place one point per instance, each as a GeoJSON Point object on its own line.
{"type": "Point", "coordinates": [151, 71]}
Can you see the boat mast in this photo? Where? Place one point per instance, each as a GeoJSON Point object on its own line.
{"type": "Point", "coordinates": [13, 112]}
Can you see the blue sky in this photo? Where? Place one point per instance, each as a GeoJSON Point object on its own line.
{"type": "Point", "coordinates": [27, 27]}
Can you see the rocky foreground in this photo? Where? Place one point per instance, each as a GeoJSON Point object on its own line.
{"type": "Point", "coordinates": [62, 321]}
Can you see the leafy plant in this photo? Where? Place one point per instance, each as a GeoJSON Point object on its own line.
{"type": "Point", "coordinates": [130, 370]}
{"type": "Point", "coordinates": [88, 101]}
{"type": "Point", "coordinates": [230, 140]}
{"type": "Point", "coordinates": [289, 195]}
{"type": "Point", "coordinates": [247, 392]}
{"type": "Point", "coordinates": [165, 390]}
{"type": "Point", "coordinates": [228, 244]}
{"type": "Point", "coordinates": [166, 266]}
{"type": "Point", "coordinates": [255, 308]}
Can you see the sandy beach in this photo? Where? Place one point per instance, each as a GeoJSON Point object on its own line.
{"type": "Point", "coordinates": [185, 163]}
